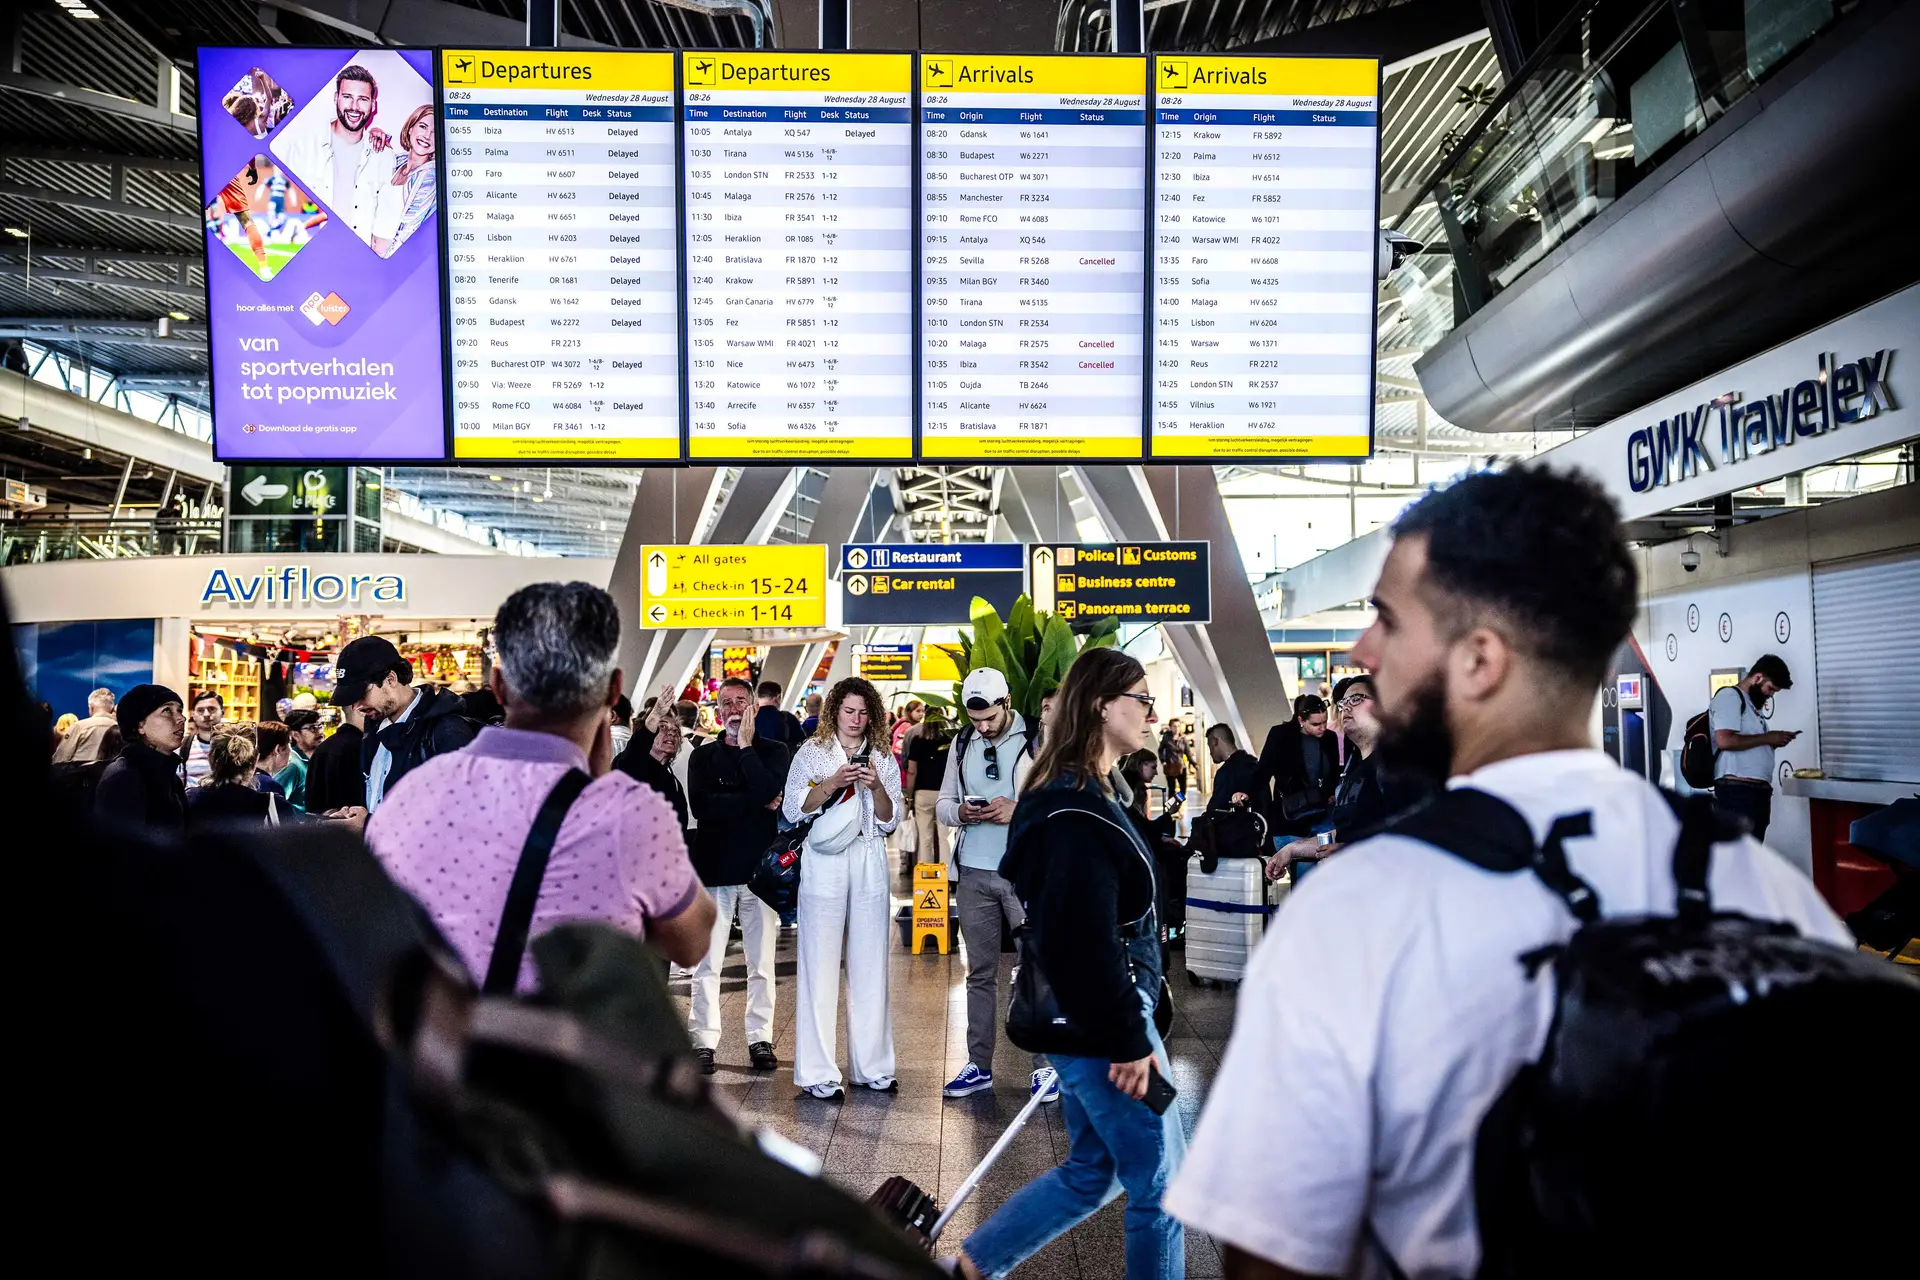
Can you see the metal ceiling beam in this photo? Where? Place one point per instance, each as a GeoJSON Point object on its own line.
{"type": "Point", "coordinates": [106, 253]}
{"type": "Point", "coordinates": [118, 208]}
{"type": "Point", "coordinates": [74, 155]}
{"type": "Point", "coordinates": [170, 288]}
{"type": "Point", "coordinates": [94, 100]}
{"type": "Point", "coordinates": [416, 22]}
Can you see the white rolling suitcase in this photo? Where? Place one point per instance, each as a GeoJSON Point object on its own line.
{"type": "Point", "coordinates": [1227, 915]}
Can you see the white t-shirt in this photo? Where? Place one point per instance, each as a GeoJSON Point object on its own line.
{"type": "Point", "coordinates": [1386, 1010]}
{"type": "Point", "coordinates": [1731, 709]}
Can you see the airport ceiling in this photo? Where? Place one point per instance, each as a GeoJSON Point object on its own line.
{"type": "Point", "coordinates": [98, 166]}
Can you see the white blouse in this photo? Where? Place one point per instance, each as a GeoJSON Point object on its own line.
{"type": "Point", "coordinates": [816, 761]}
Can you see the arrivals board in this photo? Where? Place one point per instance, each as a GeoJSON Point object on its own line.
{"type": "Point", "coordinates": [1266, 209]}
{"type": "Point", "coordinates": [799, 225]}
{"type": "Point", "coordinates": [563, 265]}
{"type": "Point", "coordinates": [1032, 231]}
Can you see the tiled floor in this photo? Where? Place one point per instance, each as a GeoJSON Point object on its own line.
{"type": "Point", "coordinates": [935, 1142]}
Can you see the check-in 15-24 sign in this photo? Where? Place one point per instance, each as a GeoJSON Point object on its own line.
{"type": "Point", "coordinates": [733, 586]}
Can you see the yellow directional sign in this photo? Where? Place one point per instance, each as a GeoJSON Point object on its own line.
{"type": "Point", "coordinates": [732, 586]}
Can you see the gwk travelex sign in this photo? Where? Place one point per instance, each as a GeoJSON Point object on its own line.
{"type": "Point", "coordinates": [1729, 429]}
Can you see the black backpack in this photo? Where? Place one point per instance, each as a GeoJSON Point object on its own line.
{"type": "Point", "coordinates": [1230, 833]}
{"type": "Point", "coordinates": [1716, 1096]}
{"type": "Point", "coordinates": [1697, 753]}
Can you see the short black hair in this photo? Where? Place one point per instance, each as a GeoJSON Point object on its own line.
{"type": "Point", "coordinates": [1225, 731]}
{"type": "Point", "coordinates": [768, 689]}
{"type": "Point", "coordinates": [1542, 549]}
{"type": "Point", "coordinates": [204, 694]}
{"type": "Point", "coordinates": [1340, 690]}
{"type": "Point", "coordinates": [1308, 704]}
{"type": "Point", "coordinates": [301, 718]}
{"type": "Point", "coordinates": [623, 709]}
{"type": "Point", "coordinates": [1774, 668]}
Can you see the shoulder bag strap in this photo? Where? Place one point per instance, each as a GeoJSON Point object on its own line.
{"type": "Point", "coordinates": [1491, 834]}
{"type": "Point", "coordinates": [510, 944]}
{"type": "Point", "coordinates": [1700, 826]}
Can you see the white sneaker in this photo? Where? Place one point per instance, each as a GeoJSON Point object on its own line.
{"type": "Point", "coordinates": [825, 1092]}
{"type": "Point", "coordinates": [885, 1084]}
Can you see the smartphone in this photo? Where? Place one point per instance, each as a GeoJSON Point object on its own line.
{"type": "Point", "coordinates": [861, 759]}
{"type": "Point", "coordinates": [1160, 1092]}
{"type": "Point", "coordinates": [978, 802]}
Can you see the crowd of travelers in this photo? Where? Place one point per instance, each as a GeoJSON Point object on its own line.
{"type": "Point", "coordinates": [1376, 1026]}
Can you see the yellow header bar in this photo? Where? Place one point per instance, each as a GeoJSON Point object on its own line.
{"type": "Point", "coordinates": [1188, 73]}
{"type": "Point", "coordinates": [557, 69]}
{"type": "Point", "coordinates": [957, 73]}
{"type": "Point", "coordinates": [800, 72]}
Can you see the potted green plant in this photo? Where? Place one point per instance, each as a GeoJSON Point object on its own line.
{"type": "Point", "coordinates": [1033, 650]}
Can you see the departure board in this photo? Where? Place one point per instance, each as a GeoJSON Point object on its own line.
{"type": "Point", "coordinates": [1266, 212]}
{"type": "Point", "coordinates": [1032, 230]}
{"type": "Point", "coordinates": [563, 268]}
{"type": "Point", "coordinates": [799, 226]}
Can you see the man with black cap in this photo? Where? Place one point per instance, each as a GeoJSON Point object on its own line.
{"type": "Point", "coordinates": [143, 785]}
{"type": "Point", "coordinates": [1743, 745]}
{"type": "Point", "coordinates": [413, 725]}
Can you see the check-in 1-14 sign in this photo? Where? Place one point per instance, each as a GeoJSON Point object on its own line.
{"type": "Point", "coordinates": [733, 586]}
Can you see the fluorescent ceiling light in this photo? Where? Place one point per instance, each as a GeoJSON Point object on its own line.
{"type": "Point", "coordinates": [179, 315]}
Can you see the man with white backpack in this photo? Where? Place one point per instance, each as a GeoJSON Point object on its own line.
{"type": "Point", "coordinates": [1408, 986]}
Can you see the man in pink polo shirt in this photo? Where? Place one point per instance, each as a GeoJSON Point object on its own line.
{"type": "Point", "coordinates": [453, 835]}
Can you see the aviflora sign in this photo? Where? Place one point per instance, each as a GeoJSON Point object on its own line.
{"type": "Point", "coordinates": [298, 584]}
{"type": "Point", "coordinates": [1729, 429]}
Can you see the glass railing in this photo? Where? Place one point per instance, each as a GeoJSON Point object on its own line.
{"type": "Point", "coordinates": [1611, 94]}
{"type": "Point", "coordinates": [38, 541]}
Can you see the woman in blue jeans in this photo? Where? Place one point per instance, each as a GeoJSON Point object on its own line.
{"type": "Point", "coordinates": [1088, 886]}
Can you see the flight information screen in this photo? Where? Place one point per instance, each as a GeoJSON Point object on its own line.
{"type": "Point", "coordinates": [1032, 230]}
{"type": "Point", "coordinates": [1264, 242]}
{"type": "Point", "coordinates": [799, 226]}
{"type": "Point", "coordinates": [563, 268]}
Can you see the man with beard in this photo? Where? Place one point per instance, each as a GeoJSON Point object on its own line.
{"type": "Point", "coordinates": [1385, 1012]}
{"type": "Point", "coordinates": [338, 164]}
{"type": "Point", "coordinates": [1743, 745]}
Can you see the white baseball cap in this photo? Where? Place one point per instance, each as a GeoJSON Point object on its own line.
{"type": "Point", "coordinates": [983, 687]}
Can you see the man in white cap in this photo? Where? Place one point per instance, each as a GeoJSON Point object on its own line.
{"type": "Point", "coordinates": [990, 760]}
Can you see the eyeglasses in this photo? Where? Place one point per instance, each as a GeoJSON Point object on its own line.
{"type": "Point", "coordinates": [1351, 701]}
{"type": "Point", "coordinates": [1144, 699]}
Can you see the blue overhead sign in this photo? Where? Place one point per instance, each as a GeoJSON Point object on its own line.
{"type": "Point", "coordinates": [927, 584]}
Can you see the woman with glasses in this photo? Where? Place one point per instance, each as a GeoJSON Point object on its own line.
{"type": "Point", "coordinates": [1088, 884]}
{"type": "Point", "coordinates": [1367, 797]}
{"type": "Point", "coordinates": [843, 892]}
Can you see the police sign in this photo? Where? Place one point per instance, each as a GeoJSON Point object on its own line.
{"type": "Point", "coordinates": [1129, 581]}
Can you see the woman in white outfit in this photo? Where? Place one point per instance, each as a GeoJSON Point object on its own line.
{"type": "Point", "coordinates": [845, 893]}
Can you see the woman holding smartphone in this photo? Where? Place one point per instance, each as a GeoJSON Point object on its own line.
{"type": "Point", "coordinates": [1087, 881]}
{"type": "Point", "coordinates": [843, 893]}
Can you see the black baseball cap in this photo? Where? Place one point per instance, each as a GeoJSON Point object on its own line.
{"type": "Point", "coordinates": [364, 663]}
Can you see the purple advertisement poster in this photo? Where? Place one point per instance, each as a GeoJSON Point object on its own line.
{"type": "Point", "coordinates": [323, 254]}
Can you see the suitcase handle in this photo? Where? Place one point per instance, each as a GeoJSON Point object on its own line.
{"type": "Point", "coordinates": [965, 1189]}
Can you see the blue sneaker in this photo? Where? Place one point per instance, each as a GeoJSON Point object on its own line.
{"type": "Point", "coordinates": [1046, 1083]}
{"type": "Point", "coordinates": [970, 1080]}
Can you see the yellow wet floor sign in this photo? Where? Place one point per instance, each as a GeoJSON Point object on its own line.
{"type": "Point", "coordinates": [930, 906]}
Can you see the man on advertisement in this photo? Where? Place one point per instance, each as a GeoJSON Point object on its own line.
{"type": "Point", "coordinates": [340, 163]}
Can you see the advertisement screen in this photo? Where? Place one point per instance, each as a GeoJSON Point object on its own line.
{"type": "Point", "coordinates": [322, 231]}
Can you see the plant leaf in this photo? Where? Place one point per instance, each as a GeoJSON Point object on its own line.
{"type": "Point", "coordinates": [987, 628]}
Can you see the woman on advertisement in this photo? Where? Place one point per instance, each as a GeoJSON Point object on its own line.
{"type": "Point", "coordinates": [408, 198]}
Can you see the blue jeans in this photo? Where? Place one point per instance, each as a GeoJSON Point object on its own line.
{"type": "Point", "coordinates": [1114, 1144]}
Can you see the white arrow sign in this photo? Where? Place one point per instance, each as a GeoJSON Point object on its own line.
{"type": "Point", "coordinates": [657, 575]}
{"type": "Point", "coordinates": [257, 490]}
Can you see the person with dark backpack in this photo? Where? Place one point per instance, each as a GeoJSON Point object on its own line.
{"type": "Point", "coordinates": [1546, 1025]}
